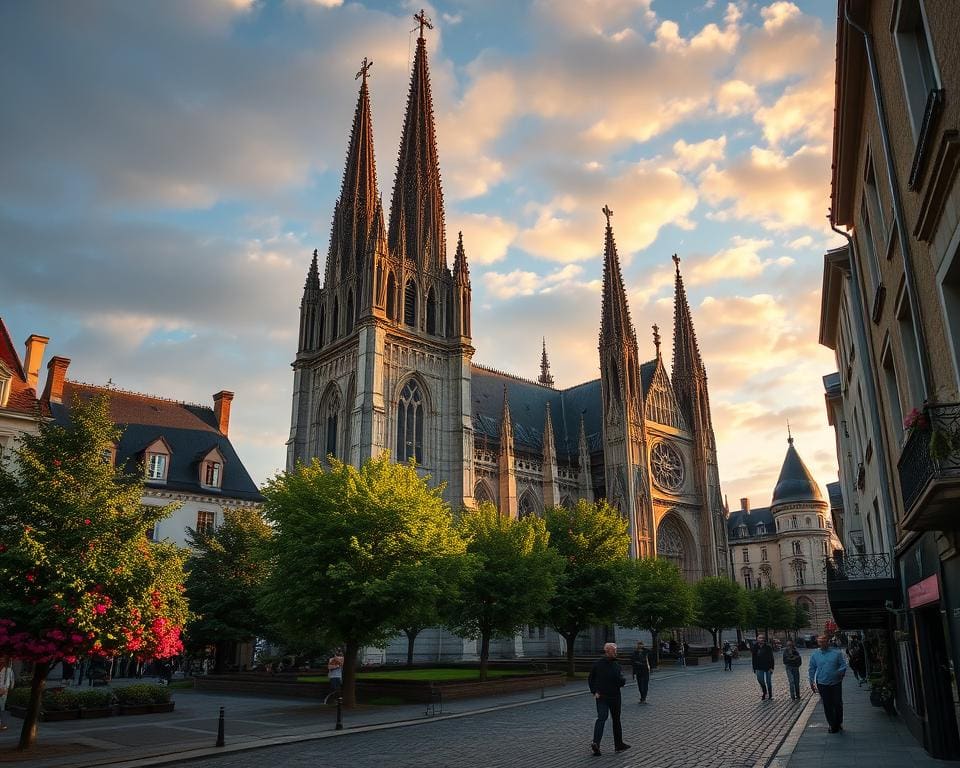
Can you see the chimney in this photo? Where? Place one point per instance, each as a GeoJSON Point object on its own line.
{"type": "Point", "coordinates": [745, 505]}
{"type": "Point", "coordinates": [221, 409]}
{"type": "Point", "coordinates": [31, 363]}
{"type": "Point", "coordinates": [56, 375]}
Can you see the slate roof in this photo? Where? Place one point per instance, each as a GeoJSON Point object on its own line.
{"type": "Point", "coordinates": [191, 431]}
{"type": "Point", "coordinates": [528, 403]}
{"type": "Point", "coordinates": [23, 398]}
{"type": "Point", "coordinates": [752, 519]}
{"type": "Point", "coordinates": [795, 482]}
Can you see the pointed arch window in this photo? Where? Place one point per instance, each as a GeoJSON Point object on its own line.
{"type": "Point", "coordinates": [613, 384]}
{"type": "Point", "coordinates": [528, 505]}
{"type": "Point", "coordinates": [431, 311]}
{"type": "Point", "coordinates": [410, 417]}
{"type": "Point", "coordinates": [335, 320]}
{"type": "Point", "coordinates": [391, 296]}
{"type": "Point", "coordinates": [481, 493]}
{"type": "Point", "coordinates": [379, 284]}
{"type": "Point", "coordinates": [323, 326]}
{"type": "Point", "coordinates": [326, 427]}
{"type": "Point", "coordinates": [348, 320]}
{"type": "Point", "coordinates": [410, 304]}
{"type": "Point", "coordinates": [464, 314]}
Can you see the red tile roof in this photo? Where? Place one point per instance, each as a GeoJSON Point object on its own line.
{"type": "Point", "coordinates": [135, 408]}
{"type": "Point", "coordinates": [23, 398]}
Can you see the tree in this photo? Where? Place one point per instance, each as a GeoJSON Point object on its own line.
{"type": "Point", "coordinates": [801, 617]}
{"type": "Point", "coordinates": [512, 580]}
{"type": "Point", "coordinates": [661, 599]}
{"type": "Point", "coordinates": [350, 550]}
{"type": "Point", "coordinates": [594, 546]}
{"type": "Point", "coordinates": [770, 607]}
{"type": "Point", "coordinates": [78, 575]}
{"type": "Point", "coordinates": [718, 603]}
{"type": "Point", "coordinates": [224, 571]}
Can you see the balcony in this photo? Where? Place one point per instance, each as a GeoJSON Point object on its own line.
{"type": "Point", "coordinates": [929, 469]}
{"type": "Point", "coordinates": [859, 587]}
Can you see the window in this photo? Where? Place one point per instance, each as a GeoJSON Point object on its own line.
{"type": "Point", "coordinates": [908, 341]}
{"type": "Point", "coordinates": [871, 198]}
{"type": "Point", "coordinates": [748, 578]}
{"type": "Point", "coordinates": [335, 320]}
{"type": "Point", "coordinates": [746, 555]}
{"type": "Point", "coordinates": [106, 456]}
{"type": "Point", "coordinates": [431, 311]}
{"type": "Point", "coordinates": [763, 553]}
{"type": "Point", "coordinates": [5, 379]}
{"type": "Point", "coordinates": [809, 522]}
{"type": "Point", "coordinates": [743, 531]}
{"type": "Point", "coordinates": [796, 548]}
{"type": "Point", "coordinates": [323, 326]}
{"type": "Point", "coordinates": [410, 304]}
{"type": "Point", "coordinates": [528, 505]}
{"type": "Point", "coordinates": [761, 529]}
{"type": "Point", "coordinates": [794, 522]}
{"type": "Point", "coordinates": [151, 533]}
{"type": "Point", "coordinates": [869, 249]}
{"type": "Point", "coordinates": [391, 297]}
{"type": "Point", "coordinates": [348, 320]}
{"type": "Point", "coordinates": [157, 466]}
{"type": "Point", "coordinates": [205, 523]}
{"type": "Point", "coordinates": [893, 392]}
{"type": "Point", "coordinates": [211, 473]}
{"type": "Point", "coordinates": [799, 572]}
{"type": "Point", "coordinates": [410, 414]}
{"type": "Point", "coordinates": [917, 65]}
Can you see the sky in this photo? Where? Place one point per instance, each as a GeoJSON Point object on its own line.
{"type": "Point", "coordinates": [169, 167]}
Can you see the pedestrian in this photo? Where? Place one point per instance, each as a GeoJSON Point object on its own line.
{"type": "Point", "coordinates": [682, 653]}
{"type": "Point", "coordinates": [727, 657]}
{"type": "Point", "coordinates": [7, 681]}
{"type": "Point", "coordinates": [791, 663]}
{"type": "Point", "coordinates": [827, 668]}
{"type": "Point", "coordinates": [335, 671]}
{"type": "Point", "coordinates": [605, 682]}
{"type": "Point", "coordinates": [857, 660]}
{"type": "Point", "coordinates": [763, 666]}
{"type": "Point", "coordinates": [640, 661]}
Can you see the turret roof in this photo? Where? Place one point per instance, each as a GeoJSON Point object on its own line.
{"type": "Point", "coordinates": [795, 483]}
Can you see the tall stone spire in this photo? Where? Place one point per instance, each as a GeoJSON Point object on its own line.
{"type": "Point", "coordinates": [461, 270]}
{"type": "Point", "coordinates": [687, 362]}
{"type": "Point", "coordinates": [584, 480]}
{"type": "Point", "coordinates": [416, 211]}
{"type": "Point", "coordinates": [615, 322]}
{"type": "Point", "coordinates": [309, 332]}
{"type": "Point", "coordinates": [506, 464]}
{"type": "Point", "coordinates": [551, 474]}
{"type": "Point", "coordinates": [545, 378]}
{"type": "Point", "coordinates": [355, 216]}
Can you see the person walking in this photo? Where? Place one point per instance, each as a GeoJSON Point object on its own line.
{"type": "Point", "coordinates": [7, 681]}
{"type": "Point", "coordinates": [791, 663]}
{"type": "Point", "coordinates": [763, 666]}
{"type": "Point", "coordinates": [605, 682]}
{"type": "Point", "coordinates": [682, 653]}
{"type": "Point", "coordinates": [857, 660]}
{"type": "Point", "coordinates": [826, 671]}
{"type": "Point", "coordinates": [335, 671]}
{"type": "Point", "coordinates": [727, 657]}
{"type": "Point", "coordinates": [640, 661]}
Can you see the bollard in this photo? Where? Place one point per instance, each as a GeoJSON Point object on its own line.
{"type": "Point", "coordinates": [220, 740]}
{"type": "Point", "coordinates": [339, 726]}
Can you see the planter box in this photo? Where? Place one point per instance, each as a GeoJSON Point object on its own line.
{"type": "Point", "coordinates": [135, 709]}
{"type": "Point", "coordinates": [165, 707]}
{"type": "Point", "coordinates": [88, 713]}
{"type": "Point", "coordinates": [58, 716]}
{"type": "Point", "coordinates": [16, 711]}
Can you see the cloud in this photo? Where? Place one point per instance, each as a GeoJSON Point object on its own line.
{"type": "Point", "coordinates": [804, 111]}
{"type": "Point", "coordinates": [735, 97]}
{"type": "Point", "coordinates": [521, 282]}
{"type": "Point", "coordinates": [740, 261]}
{"type": "Point", "coordinates": [485, 238]}
{"type": "Point", "coordinates": [692, 156]}
{"type": "Point", "coordinates": [788, 44]}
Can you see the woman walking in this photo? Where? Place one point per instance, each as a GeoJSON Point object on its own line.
{"type": "Point", "coordinates": [7, 681]}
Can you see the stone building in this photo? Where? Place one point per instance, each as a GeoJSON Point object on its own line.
{"type": "Point", "coordinates": [895, 195]}
{"type": "Point", "coordinates": [384, 363]}
{"type": "Point", "coordinates": [786, 544]}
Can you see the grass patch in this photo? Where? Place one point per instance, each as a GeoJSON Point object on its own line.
{"type": "Point", "coordinates": [180, 684]}
{"type": "Point", "coordinates": [425, 675]}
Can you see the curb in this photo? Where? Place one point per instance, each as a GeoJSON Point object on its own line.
{"type": "Point", "coordinates": [778, 755]}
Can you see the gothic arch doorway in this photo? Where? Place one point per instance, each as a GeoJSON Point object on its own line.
{"type": "Point", "coordinates": [675, 544]}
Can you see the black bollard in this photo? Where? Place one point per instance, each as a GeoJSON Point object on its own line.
{"type": "Point", "coordinates": [220, 738]}
{"type": "Point", "coordinates": [339, 726]}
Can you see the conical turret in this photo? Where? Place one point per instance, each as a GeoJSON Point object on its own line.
{"type": "Point", "coordinates": [795, 483]}
{"type": "Point", "coordinates": [416, 211]}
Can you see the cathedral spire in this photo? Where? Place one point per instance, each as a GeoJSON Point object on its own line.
{"type": "Point", "coordinates": [615, 323]}
{"type": "Point", "coordinates": [313, 275]}
{"type": "Point", "coordinates": [461, 270]}
{"type": "Point", "coordinates": [687, 362]}
{"type": "Point", "coordinates": [551, 479]}
{"type": "Point", "coordinates": [356, 212]}
{"type": "Point", "coordinates": [309, 332]}
{"type": "Point", "coordinates": [416, 211]}
{"type": "Point", "coordinates": [506, 464]}
{"type": "Point", "coordinates": [545, 378]}
{"type": "Point", "coordinates": [584, 480]}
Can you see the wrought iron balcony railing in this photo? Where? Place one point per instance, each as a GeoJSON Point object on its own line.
{"type": "Point", "coordinates": [932, 452]}
{"type": "Point", "coordinates": [856, 567]}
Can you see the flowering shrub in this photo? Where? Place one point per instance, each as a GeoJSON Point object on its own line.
{"type": "Point", "coordinates": [916, 419]}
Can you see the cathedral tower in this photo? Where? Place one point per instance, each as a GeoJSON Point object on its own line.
{"type": "Point", "coordinates": [624, 440]}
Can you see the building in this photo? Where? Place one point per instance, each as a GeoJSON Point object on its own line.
{"type": "Point", "coordinates": [786, 544]}
{"type": "Point", "coordinates": [895, 196]}
{"type": "Point", "coordinates": [385, 363]}
{"type": "Point", "coordinates": [183, 450]}
{"type": "Point", "coordinates": [20, 408]}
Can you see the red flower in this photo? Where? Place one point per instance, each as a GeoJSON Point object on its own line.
{"type": "Point", "coordinates": [56, 462]}
{"type": "Point", "coordinates": [31, 578]}
{"type": "Point", "coordinates": [86, 521]}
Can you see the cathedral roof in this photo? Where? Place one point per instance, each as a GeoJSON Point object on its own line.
{"type": "Point", "coordinates": [752, 519]}
{"type": "Point", "coordinates": [795, 482]}
{"type": "Point", "coordinates": [528, 403]}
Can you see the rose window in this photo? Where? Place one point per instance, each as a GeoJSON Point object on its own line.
{"type": "Point", "coordinates": [667, 467]}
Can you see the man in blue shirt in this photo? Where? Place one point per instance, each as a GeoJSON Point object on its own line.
{"type": "Point", "coordinates": [827, 667]}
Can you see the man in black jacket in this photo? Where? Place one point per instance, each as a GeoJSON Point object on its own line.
{"type": "Point", "coordinates": [763, 666]}
{"type": "Point", "coordinates": [640, 661]}
{"type": "Point", "coordinates": [605, 682]}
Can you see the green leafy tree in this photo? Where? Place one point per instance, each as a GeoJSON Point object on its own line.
{"type": "Point", "coordinates": [224, 571]}
{"type": "Point", "coordinates": [770, 608]}
{"type": "Point", "coordinates": [593, 544]}
{"type": "Point", "coordinates": [512, 580]}
{"type": "Point", "coordinates": [78, 576]}
{"type": "Point", "coordinates": [661, 599]}
{"type": "Point", "coordinates": [801, 617]}
{"type": "Point", "coordinates": [350, 550]}
{"type": "Point", "coordinates": [718, 603]}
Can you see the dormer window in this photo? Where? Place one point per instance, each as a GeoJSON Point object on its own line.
{"type": "Point", "coordinates": [211, 473]}
{"type": "Point", "coordinates": [156, 460]}
{"type": "Point", "coordinates": [5, 383]}
{"type": "Point", "coordinates": [156, 466]}
{"type": "Point", "coordinates": [743, 532]}
{"type": "Point", "coordinates": [761, 529]}
{"type": "Point", "coordinates": [211, 469]}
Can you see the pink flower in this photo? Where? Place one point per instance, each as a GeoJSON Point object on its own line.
{"type": "Point", "coordinates": [31, 577]}
{"type": "Point", "coordinates": [56, 462]}
{"type": "Point", "coordinates": [100, 609]}
{"type": "Point", "coordinates": [86, 521]}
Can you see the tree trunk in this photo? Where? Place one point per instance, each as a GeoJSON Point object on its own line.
{"type": "Point", "coordinates": [411, 640]}
{"type": "Point", "coordinates": [716, 637]}
{"type": "Point", "coordinates": [484, 654]}
{"type": "Point", "coordinates": [571, 663]}
{"type": "Point", "coordinates": [351, 650]}
{"type": "Point", "coordinates": [28, 734]}
{"type": "Point", "coordinates": [220, 662]}
{"type": "Point", "coordinates": [655, 651]}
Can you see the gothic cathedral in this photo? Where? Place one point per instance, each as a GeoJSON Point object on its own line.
{"type": "Point", "coordinates": [384, 363]}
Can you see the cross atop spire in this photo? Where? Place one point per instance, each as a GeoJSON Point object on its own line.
{"type": "Point", "coordinates": [423, 20]}
{"type": "Point", "coordinates": [789, 434]}
{"type": "Point", "coordinates": [676, 261]}
{"type": "Point", "coordinates": [656, 337]}
{"type": "Point", "coordinates": [608, 212]}
{"type": "Point", "coordinates": [545, 378]}
{"type": "Point", "coordinates": [364, 69]}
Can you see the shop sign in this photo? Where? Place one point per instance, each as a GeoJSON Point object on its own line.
{"type": "Point", "coordinates": [924, 592]}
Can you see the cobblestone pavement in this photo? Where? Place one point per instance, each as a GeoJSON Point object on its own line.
{"type": "Point", "coordinates": [695, 718]}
